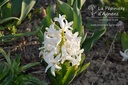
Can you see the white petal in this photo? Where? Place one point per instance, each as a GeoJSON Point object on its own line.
{"type": "Point", "coordinates": [126, 52]}
{"type": "Point", "coordinates": [53, 70]}
{"type": "Point", "coordinates": [123, 55]}
{"type": "Point", "coordinates": [60, 20]}
{"type": "Point", "coordinates": [64, 50]}
{"type": "Point", "coordinates": [75, 34]}
{"type": "Point", "coordinates": [41, 53]}
{"type": "Point", "coordinates": [47, 68]}
{"type": "Point", "coordinates": [124, 59]}
{"type": "Point", "coordinates": [58, 57]}
{"type": "Point", "coordinates": [57, 67]}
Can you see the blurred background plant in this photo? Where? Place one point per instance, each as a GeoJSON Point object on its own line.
{"type": "Point", "coordinates": [12, 73]}
{"type": "Point", "coordinates": [124, 41]}
{"type": "Point", "coordinates": [123, 14]}
{"type": "Point", "coordinates": [71, 9]}
{"type": "Point", "coordinates": [12, 14]}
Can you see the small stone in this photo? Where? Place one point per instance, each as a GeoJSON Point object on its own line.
{"type": "Point", "coordinates": [100, 84]}
{"type": "Point", "coordinates": [93, 79]}
{"type": "Point", "coordinates": [101, 80]}
{"type": "Point", "coordinates": [122, 75]}
{"type": "Point", "coordinates": [119, 68]}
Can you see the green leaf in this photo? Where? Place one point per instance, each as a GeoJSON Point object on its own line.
{"type": "Point", "coordinates": [27, 5]}
{"type": "Point", "coordinates": [2, 2]}
{"type": "Point", "coordinates": [82, 68]}
{"type": "Point", "coordinates": [84, 35]}
{"type": "Point", "coordinates": [65, 67]}
{"type": "Point", "coordinates": [65, 9]}
{"type": "Point", "coordinates": [69, 76]}
{"type": "Point", "coordinates": [7, 80]}
{"type": "Point", "coordinates": [1, 28]}
{"type": "Point", "coordinates": [82, 59]}
{"type": "Point", "coordinates": [16, 7]}
{"type": "Point", "coordinates": [89, 41]}
{"type": "Point", "coordinates": [77, 22]}
{"type": "Point", "coordinates": [52, 78]}
{"type": "Point", "coordinates": [12, 36]}
{"type": "Point", "coordinates": [8, 19]}
{"type": "Point", "coordinates": [28, 66]}
{"type": "Point", "coordinates": [4, 72]}
{"type": "Point", "coordinates": [6, 10]}
{"type": "Point", "coordinates": [5, 56]}
{"type": "Point", "coordinates": [124, 41]}
{"type": "Point", "coordinates": [70, 2]}
{"type": "Point", "coordinates": [40, 33]}
{"type": "Point", "coordinates": [16, 64]}
{"type": "Point", "coordinates": [81, 3]}
{"type": "Point", "coordinates": [30, 80]}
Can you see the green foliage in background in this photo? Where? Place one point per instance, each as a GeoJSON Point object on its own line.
{"type": "Point", "coordinates": [12, 13]}
{"type": "Point", "coordinates": [118, 3]}
{"type": "Point", "coordinates": [124, 41]}
{"type": "Point", "coordinates": [12, 73]}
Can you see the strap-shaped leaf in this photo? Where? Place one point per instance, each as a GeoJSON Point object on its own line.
{"type": "Point", "coordinates": [89, 41]}
{"type": "Point", "coordinates": [70, 2]}
{"type": "Point", "coordinates": [6, 10]}
{"type": "Point", "coordinates": [65, 9]}
{"type": "Point", "coordinates": [30, 80]}
{"type": "Point", "coordinates": [16, 7]}
{"type": "Point", "coordinates": [15, 36]}
{"type": "Point", "coordinates": [8, 19]}
{"type": "Point", "coordinates": [28, 66]}
{"type": "Point", "coordinates": [77, 22]}
{"type": "Point", "coordinates": [2, 2]}
{"type": "Point", "coordinates": [40, 34]}
{"type": "Point", "coordinates": [4, 72]}
{"type": "Point", "coordinates": [5, 56]}
{"type": "Point", "coordinates": [82, 68]}
{"type": "Point", "coordinates": [124, 41]}
{"type": "Point", "coordinates": [81, 3]}
{"type": "Point", "coordinates": [16, 64]}
{"type": "Point", "coordinates": [69, 76]}
{"type": "Point", "coordinates": [27, 5]}
{"type": "Point", "coordinates": [7, 80]}
{"type": "Point", "coordinates": [52, 78]}
{"type": "Point", "coordinates": [84, 35]}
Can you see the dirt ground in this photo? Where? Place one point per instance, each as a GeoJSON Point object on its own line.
{"type": "Point", "coordinates": [106, 66]}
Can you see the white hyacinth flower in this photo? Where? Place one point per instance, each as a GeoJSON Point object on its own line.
{"type": "Point", "coordinates": [124, 55]}
{"type": "Point", "coordinates": [60, 45]}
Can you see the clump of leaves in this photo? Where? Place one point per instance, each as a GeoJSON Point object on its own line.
{"type": "Point", "coordinates": [11, 72]}
{"type": "Point", "coordinates": [12, 13]}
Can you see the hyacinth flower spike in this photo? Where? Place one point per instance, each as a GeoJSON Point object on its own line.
{"type": "Point", "coordinates": [60, 45]}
